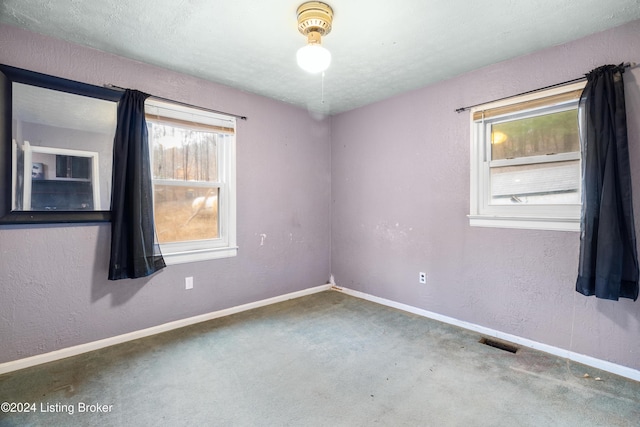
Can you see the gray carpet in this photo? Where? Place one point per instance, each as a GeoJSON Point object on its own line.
{"type": "Point", "coordinates": [322, 360]}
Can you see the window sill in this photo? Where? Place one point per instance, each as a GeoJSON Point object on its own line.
{"type": "Point", "coordinates": [172, 258]}
{"type": "Point", "coordinates": [552, 224]}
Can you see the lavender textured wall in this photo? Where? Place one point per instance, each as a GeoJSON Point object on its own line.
{"type": "Point", "coordinates": [54, 291]}
{"type": "Point", "coordinates": [400, 196]}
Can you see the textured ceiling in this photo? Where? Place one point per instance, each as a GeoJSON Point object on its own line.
{"type": "Point", "coordinates": [380, 48]}
{"type": "Point", "coordinates": [65, 110]}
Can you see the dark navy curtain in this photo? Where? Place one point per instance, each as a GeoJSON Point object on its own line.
{"type": "Point", "coordinates": [134, 252]}
{"type": "Point", "coordinates": [608, 256]}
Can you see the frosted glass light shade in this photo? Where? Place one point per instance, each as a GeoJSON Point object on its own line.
{"type": "Point", "coordinates": [313, 58]}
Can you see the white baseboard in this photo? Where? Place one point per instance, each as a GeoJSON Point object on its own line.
{"type": "Point", "coordinates": [15, 365]}
{"type": "Point", "coordinates": [623, 371]}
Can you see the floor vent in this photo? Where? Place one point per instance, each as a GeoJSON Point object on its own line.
{"type": "Point", "coordinates": [500, 345]}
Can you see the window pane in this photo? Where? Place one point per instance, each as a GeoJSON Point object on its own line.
{"type": "Point", "coordinates": [536, 136]}
{"type": "Point", "coordinates": [183, 213]}
{"type": "Point", "coordinates": [546, 183]}
{"type": "Point", "coordinates": [182, 153]}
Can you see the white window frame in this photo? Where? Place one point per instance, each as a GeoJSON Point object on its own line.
{"type": "Point", "coordinates": [538, 216]}
{"type": "Point", "coordinates": [225, 245]}
{"type": "Point", "coordinates": [29, 150]}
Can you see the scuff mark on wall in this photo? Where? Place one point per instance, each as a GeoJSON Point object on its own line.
{"type": "Point", "coordinates": [390, 233]}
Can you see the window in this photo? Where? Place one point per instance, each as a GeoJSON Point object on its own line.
{"type": "Point", "coordinates": [193, 160]}
{"type": "Point", "coordinates": [525, 161]}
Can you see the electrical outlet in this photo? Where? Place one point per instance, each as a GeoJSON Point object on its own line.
{"type": "Point", "coordinates": [188, 282]}
{"type": "Point", "coordinates": [423, 277]}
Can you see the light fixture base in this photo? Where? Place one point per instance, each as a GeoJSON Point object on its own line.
{"type": "Point", "coordinates": [315, 16]}
{"type": "Point", "coordinates": [314, 38]}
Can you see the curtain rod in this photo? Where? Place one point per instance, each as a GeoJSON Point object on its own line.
{"type": "Point", "coordinates": [184, 104]}
{"type": "Point", "coordinates": [579, 79]}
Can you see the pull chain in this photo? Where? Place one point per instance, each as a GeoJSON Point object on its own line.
{"type": "Point", "coordinates": [322, 95]}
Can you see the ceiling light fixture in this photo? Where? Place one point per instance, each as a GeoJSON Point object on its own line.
{"type": "Point", "coordinates": [314, 21]}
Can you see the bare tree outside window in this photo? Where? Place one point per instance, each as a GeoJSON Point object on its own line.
{"type": "Point", "coordinates": [185, 174]}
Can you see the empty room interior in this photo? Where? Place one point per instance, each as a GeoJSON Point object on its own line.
{"type": "Point", "coordinates": [199, 228]}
